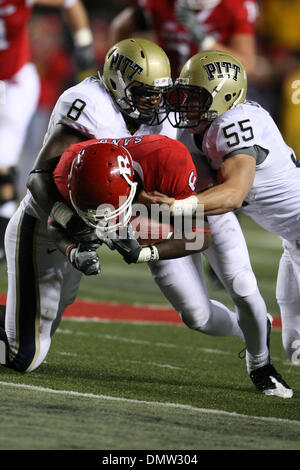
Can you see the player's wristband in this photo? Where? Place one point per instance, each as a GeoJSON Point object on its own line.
{"type": "Point", "coordinates": [201, 230]}
{"type": "Point", "coordinates": [207, 44]}
{"type": "Point", "coordinates": [83, 37]}
{"type": "Point", "coordinates": [148, 254]}
{"type": "Point", "coordinates": [61, 213]}
{"type": "Point", "coordinates": [69, 249]}
{"type": "Point", "coordinates": [186, 206]}
{"type": "Point", "coordinates": [68, 3]}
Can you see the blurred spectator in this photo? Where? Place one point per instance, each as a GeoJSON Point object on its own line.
{"type": "Point", "coordinates": [50, 48]}
{"type": "Point", "coordinates": [52, 59]}
{"type": "Point", "coordinates": [184, 27]}
{"type": "Point", "coordinates": [20, 85]}
{"type": "Point", "coordinates": [279, 44]}
{"type": "Point", "coordinates": [56, 71]}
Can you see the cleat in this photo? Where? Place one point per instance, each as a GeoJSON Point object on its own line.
{"type": "Point", "coordinates": [267, 380]}
{"type": "Point", "coordinates": [4, 348]}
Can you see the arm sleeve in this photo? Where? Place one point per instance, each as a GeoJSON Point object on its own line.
{"type": "Point", "coordinates": [256, 151]}
{"type": "Point", "coordinates": [140, 19]}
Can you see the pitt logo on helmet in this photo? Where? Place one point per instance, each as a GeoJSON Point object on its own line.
{"type": "Point", "coordinates": [125, 64]}
{"type": "Point", "coordinates": [221, 69]}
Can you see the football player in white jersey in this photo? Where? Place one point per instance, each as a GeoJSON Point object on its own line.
{"type": "Point", "coordinates": [129, 100]}
{"type": "Point", "coordinates": [252, 169]}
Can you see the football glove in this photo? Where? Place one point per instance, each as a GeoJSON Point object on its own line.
{"type": "Point", "coordinates": [82, 233]}
{"type": "Point", "coordinates": [129, 249]}
{"type": "Point", "coordinates": [188, 18]}
{"type": "Point", "coordinates": [132, 251]}
{"type": "Point", "coordinates": [85, 260]}
{"type": "Point", "coordinates": [85, 62]}
{"type": "Point", "coordinates": [75, 227]}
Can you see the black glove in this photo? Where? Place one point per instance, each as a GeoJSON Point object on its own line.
{"type": "Point", "coordinates": [85, 260]}
{"type": "Point", "coordinates": [128, 246]}
{"type": "Point", "coordinates": [82, 233]}
{"type": "Point", "coordinates": [85, 62]}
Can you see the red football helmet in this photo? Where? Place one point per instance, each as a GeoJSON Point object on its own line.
{"type": "Point", "coordinates": [101, 186]}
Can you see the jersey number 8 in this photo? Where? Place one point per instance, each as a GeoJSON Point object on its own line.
{"type": "Point", "coordinates": [76, 109]}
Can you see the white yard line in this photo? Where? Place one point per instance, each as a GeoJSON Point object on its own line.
{"type": "Point", "coordinates": [155, 364]}
{"type": "Point", "coordinates": [150, 403]}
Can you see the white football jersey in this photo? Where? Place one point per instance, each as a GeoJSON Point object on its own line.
{"type": "Point", "coordinates": [89, 108]}
{"type": "Point", "coordinates": [274, 198]}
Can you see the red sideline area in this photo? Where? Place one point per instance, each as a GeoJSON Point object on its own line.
{"type": "Point", "coordinates": [123, 312]}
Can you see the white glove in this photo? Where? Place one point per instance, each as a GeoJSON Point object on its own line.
{"type": "Point", "coordinates": [188, 18]}
{"type": "Point", "coordinates": [85, 260]}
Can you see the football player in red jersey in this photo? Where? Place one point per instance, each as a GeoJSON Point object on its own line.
{"type": "Point", "coordinates": [20, 86]}
{"type": "Point", "coordinates": [184, 27]}
{"type": "Point", "coordinates": [44, 280]}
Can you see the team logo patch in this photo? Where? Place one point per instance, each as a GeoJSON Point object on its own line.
{"type": "Point", "coordinates": [222, 69]}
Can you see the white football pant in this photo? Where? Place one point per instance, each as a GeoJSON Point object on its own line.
{"type": "Point", "coordinates": [41, 284]}
{"type": "Point", "coordinates": [288, 298]}
{"type": "Point", "coordinates": [182, 282]}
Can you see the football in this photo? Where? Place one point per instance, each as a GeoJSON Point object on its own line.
{"type": "Point", "coordinates": [149, 230]}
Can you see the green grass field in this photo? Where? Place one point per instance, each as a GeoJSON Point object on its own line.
{"type": "Point", "coordinates": [117, 385]}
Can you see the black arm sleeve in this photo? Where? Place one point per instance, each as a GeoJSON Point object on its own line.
{"type": "Point", "coordinates": [140, 19]}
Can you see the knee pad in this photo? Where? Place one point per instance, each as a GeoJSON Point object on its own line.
{"type": "Point", "coordinates": [195, 318]}
{"type": "Point", "coordinates": [244, 283]}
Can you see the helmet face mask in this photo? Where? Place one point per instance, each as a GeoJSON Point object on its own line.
{"type": "Point", "coordinates": [209, 84]}
{"type": "Point", "coordinates": [101, 186]}
{"type": "Point", "coordinates": [147, 102]}
{"type": "Point", "coordinates": [137, 74]}
{"type": "Point", "coordinates": [190, 106]}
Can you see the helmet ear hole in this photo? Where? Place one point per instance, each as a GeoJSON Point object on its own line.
{"type": "Point", "coordinates": [113, 84]}
{"type": "Point", "coordinates": [228, 96]}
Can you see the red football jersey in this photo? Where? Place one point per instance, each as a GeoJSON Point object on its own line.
{"type": "Point", "coordinates": [14, 36]}
{"type": "Point", "coordinates": [163, 164]}
{"type": "Point", "coordinates": [228, 18]}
